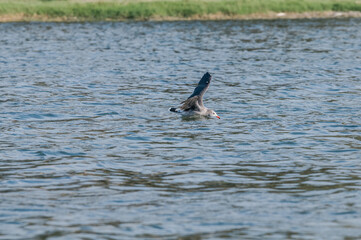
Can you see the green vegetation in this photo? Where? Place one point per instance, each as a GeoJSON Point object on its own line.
{"type": "Point", "coordinates": [77, 10]}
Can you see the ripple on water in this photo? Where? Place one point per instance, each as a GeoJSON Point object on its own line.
{"type": "Point", "coordinates": [88, 148]}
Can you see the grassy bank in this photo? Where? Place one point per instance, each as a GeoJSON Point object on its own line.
{"type": "Point", "coordinates": [114, 10]}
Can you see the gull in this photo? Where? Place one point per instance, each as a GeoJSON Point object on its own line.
{"type": "Point", "coordinates": [194, 104]}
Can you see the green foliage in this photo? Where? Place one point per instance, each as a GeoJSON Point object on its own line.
{"type": "Point", "coordinates": [113, 10]}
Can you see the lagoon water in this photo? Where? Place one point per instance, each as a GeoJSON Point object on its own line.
{"type": "Point", "coordinates": [88, 149]}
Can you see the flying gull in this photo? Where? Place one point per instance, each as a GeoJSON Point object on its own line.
{"type": "Point", "coordinates": [194, 104]}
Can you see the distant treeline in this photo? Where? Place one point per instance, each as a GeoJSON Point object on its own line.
{"type": "Point", "coordinates": [72, 10]}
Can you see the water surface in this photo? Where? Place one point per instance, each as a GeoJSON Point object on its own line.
{"type": "Point", "coordinates": [88, 149]}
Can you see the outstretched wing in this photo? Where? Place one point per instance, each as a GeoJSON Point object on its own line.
{"type": "Point", "coordinates": [191, 104]}
{"type": "Point", "coordinates": [202, 87]}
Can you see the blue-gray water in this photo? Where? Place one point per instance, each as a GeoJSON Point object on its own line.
{"type": "Point", "coordinates": [88, 149]}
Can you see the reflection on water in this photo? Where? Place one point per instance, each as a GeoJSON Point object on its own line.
{"type": "Point", "coordinates": [88, 149]}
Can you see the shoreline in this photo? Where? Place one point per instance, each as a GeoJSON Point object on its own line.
{"type": "Point", "coordinates": [20, 17]}
{"type": "Point", "coordinates": [173, 10]}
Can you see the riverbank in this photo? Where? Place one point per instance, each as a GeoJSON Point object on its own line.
{"type": "Point", "coordinates": [172, 10]}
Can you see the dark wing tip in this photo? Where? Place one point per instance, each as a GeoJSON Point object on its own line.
{"type": "Point", "coordinates": [206, 79]}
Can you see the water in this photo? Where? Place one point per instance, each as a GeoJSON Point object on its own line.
{"type": "Point", "coordinates": [88, 149]}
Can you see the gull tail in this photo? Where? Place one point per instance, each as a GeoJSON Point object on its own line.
{"type": "Point", "coordinates": [176, 110]}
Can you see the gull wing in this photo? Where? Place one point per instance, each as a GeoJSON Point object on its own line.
{"type": "Point", "coordinates": [202, 87]}
{"type": "Point", "coordinates": [191, 104]}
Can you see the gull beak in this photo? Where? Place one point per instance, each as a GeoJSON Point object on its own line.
{"type": "Point", "coordinates": [218, 117]}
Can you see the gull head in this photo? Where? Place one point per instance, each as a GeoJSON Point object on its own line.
{"type": "Point", "coordinates": [212, 113]}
